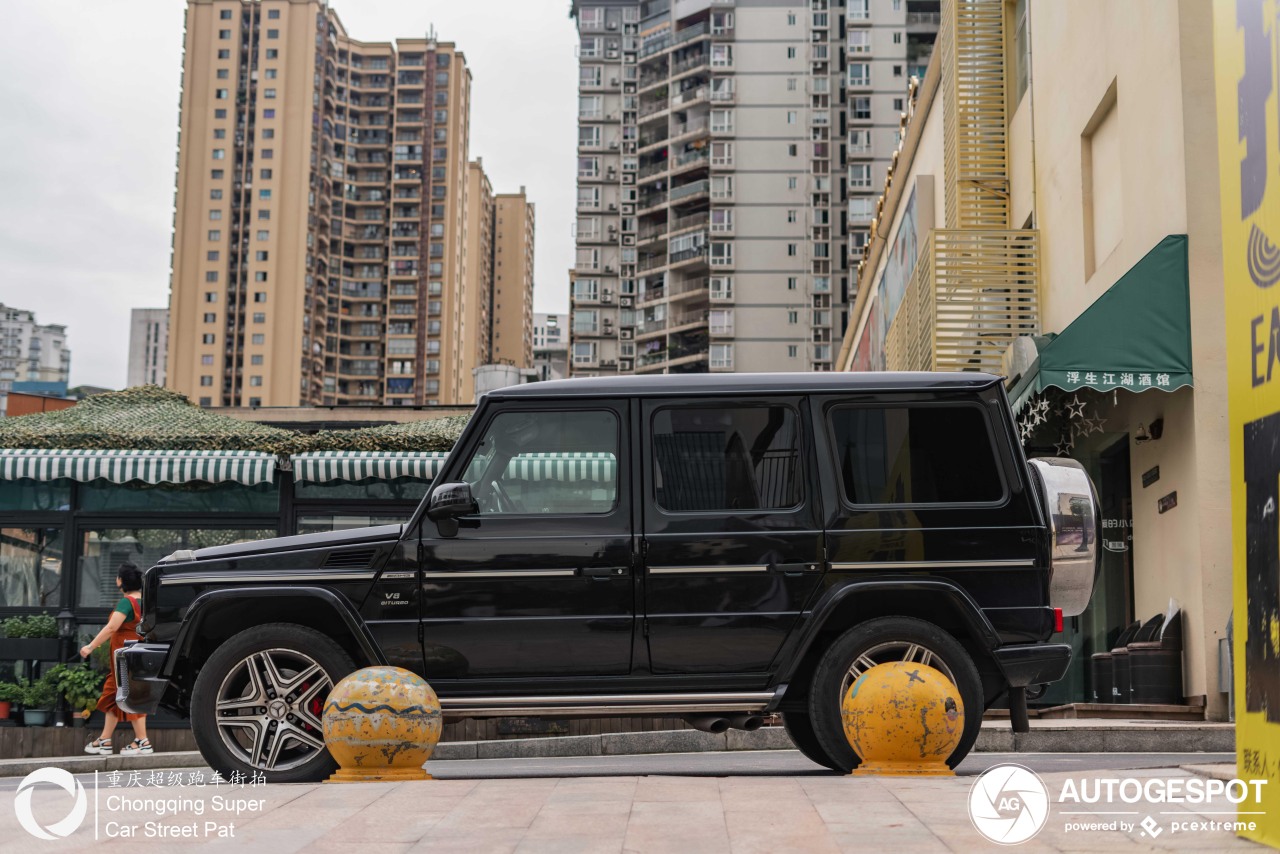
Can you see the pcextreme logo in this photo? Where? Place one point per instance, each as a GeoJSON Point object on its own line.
{"type": "Point", "coordinates": [63, 780]}
{"type": "Point", "coordinates": [1009, 804]}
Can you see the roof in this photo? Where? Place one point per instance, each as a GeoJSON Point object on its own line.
{"type": "Point", "coordinates": [779, 383]}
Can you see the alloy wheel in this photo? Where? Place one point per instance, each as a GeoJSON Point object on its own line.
{"type": "Point", "coordinates": [268, 709]}
{"type": "Point", "coordinates": [889, 651]}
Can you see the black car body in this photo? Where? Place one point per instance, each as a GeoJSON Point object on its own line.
{"type": "Point", "coordinates": [716, 547]}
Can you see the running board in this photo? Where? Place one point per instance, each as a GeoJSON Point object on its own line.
{"type": "Point", "coordinates": [598, 705]}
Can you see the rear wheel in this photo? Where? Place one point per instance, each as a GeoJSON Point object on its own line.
{"type": "Point", "coordinates": [256, 705]}
{"type": "Point", "coordinates": [879, 641]}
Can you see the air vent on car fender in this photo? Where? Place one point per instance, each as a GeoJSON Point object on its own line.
{"type": "Point", "coordinates": [348, 560]}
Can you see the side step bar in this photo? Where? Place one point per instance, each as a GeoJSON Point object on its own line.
{"type": "Point", "coordinates": [599, 705]}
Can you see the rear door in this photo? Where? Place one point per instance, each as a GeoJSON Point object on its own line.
{"type": "Point", "coordinates": [539, 583]}
{"type": "Point", "coordinates": [732, 541]}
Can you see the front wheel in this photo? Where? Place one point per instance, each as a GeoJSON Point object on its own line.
{"type": "Point", "coordinates": [257, 703]}
{"type": "Point", "coordinates": [880, 641]}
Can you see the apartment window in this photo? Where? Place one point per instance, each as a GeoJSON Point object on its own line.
{"type": "Point", "coordinates": [272, 53]}
{"type": "Point", "coordinates": [255, 380]}
{"type": "Point", "coordinates": [206, 380]}
{"type": "Point", "coordinates": [859, 74]}
{"type": "Point", "coordinates": [897, 38]}
{"type": "Point", "coordinates": [721, 356]}
{"type": "Point", "coordinates": [224, 35]}
{"type": "Point", "coordinates": [269, 113]}
{"type": "Point", "coordinates": [264, 214]}
{"type": "Point", "coordinates": [211, 255]}
{"type": "Point", "coordinates": [216, 174]}
{"type": "Point", "coordinates": [268, 153]}
{"type": "Point", "coordinates": [792, 351]}
{"type": "Point", "coordinates": [268, 93]}
{"type": "Point", "coordinates": [590, 75]}
{"type": "Point", "coordinates": [273, 34]}
{"type": "Point", "coordinates": [791, 84]}
{"type": "Point", "coordinates": [591, 18]}
{"type": "Point", "coordinates": [860, 108]}
{"type": "Point", "coordinates": [219, 154]}
{"type": "Point", "coordinates": [221, 94]}
{"type": "Point", "coordinates": [271, 73]}
{"type": "Point", "coordinates": [255, 359]}
{"type": "Point", "coordinates": [722, 154]}
{"type": "Point", "coordinates": [273, 14]}
{"type": "Point", "coordinates": [214, 234]}
{"type": "Point", "coordinates": [220, 113]}
{"type": "Point", "coordinates": [721, 55]}
{"type": "Point", "coordinates": [215, 214]}
{"type": "Point", "coordinates": [210, 317]}
{"type": "Point", "coordinates": [791, 149]}
{"type": "Point", "coordinates": [211, 276]}
{"type": "Point", "coordinates": [721, 254]}
{"type": "Point", "coordinates": [219, 133]}
{"type": "Point", "coordinates": [255, 401]}
{"type": "Point", "coordinates": [210, 296]}
{"type": "Point", "coordinates": [791, 53]}
{"type": "Point", "coordinates": [264, 194]}
{"type": "Point", "coordinates": [264, 174]}
{"type": "Point", "coordinates": [261, 255]}
{"type": "Point", "coordinates": [258, 338]}
{"type": "Point", "coordinates": [590, 107]}
{"type": "Point", "coordinates": [793, 317]}
{"type": "Point", "coordinates": [722, 121]}
{"type": "Point", "coordinates": [589, 137]}
{"type": "Point", "coordinates": [260, 276]}
{"type": "Point", "coordinates": [215, 195]}
{"type": "Point", "coordinates": [586, 289]}
{"type": "Point", "coordinates": [791, 215]}
{"type": "Point", "coordinates": [860, 175]}
{"type": "Point", "coordinates": [791, 250]}
{"type": "Point", "coordinates": [897, 5]}
{"type": "Point", "coordinates": [264, 235]}
{"type": "Point", "coordinates": [442, 78]}
{"type": "Point", "coordinates": [206, 360]}
{"type": "Point", "coordinates": [268, 133]}
{"type": "Point", "coordinates": [223, 53]}
{"type": "Point", "coordinates": [209, 338]}
{"type": "Point", "coordinates": [721, 186]}
{"type": "Point", "coordinates": [859, 41]}
{"type": "Point", "coordinates": [792, 182]}
{"type": "Point", "coordinates": [792, 282]}
{"type": "Point", "coordinates": [259, 317]}
{"type": "Point", "coordinates": [860, 209]}
{"type": "Point", "coordinates": [224, 15]}
{"type": "Point", "coordinates": [588, 167]}
{"type": "Point", "coordinates": [897, 71]}
{"type": "Point", "coordinates": [859, 142]}
{"type": "Point", "coordinates": [791, 19]}
{"type": "Point", "coordinates": [223, 74]}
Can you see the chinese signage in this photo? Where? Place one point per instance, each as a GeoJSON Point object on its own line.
{"type": "Point", "coordinates": [1117, 379]}
{"type": "Point", "coordinates": [1247, 78]}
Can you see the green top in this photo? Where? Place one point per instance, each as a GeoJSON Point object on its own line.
{"type": "Point", "coordinates": [124, 606]}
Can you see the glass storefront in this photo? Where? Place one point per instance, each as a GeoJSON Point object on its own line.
{"type": "Point", "coordinates": [30, 567]}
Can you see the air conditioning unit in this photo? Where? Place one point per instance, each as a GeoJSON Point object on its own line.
{"type": "Point", "coordinates": [626, 334]}
{"type": "Point", "coordinates": [606, 298]}
{"type": "Point", "coordinates": [608, 269]}
{"type": "Point", "coordinates": [613, 146]}
{"type": "Point", "coordinates": [611, 172]}
{"type": "Point", "coordinates": [629, 240]}
{"type": "Point", "coordinates": [613, 25]}
{"type": "Point", "coordinates": [626, 302]}
{"type": "Point", "coordinates": [628, 209]}
{"type": "Point", "coordinates": [613, 206]}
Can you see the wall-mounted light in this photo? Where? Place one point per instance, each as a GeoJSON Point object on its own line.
{"type": "Point", "coordinates": [1142, 435]}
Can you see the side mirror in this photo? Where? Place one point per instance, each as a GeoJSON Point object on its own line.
{"type": "Point", "coordinates": [451, 500]}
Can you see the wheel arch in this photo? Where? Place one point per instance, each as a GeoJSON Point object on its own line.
{"type": "Point", "coordinates": [933, 600]}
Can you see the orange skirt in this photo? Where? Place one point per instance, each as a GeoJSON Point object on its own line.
{"type": "Point", "coordinates": [107, 702]}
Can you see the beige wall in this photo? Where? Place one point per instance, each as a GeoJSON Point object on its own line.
{"type": "Point", "coordinates": [513, 279]}
{"type": "Point", "coordinates": [478, 309]}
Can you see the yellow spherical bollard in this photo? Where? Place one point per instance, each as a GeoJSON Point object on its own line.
{"type": "Point", "coordinates": [381, 723]}
{"type": "Point", "coordinates": [903, 719]}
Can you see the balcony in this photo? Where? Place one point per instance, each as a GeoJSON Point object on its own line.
{"type": "Point", "coordinates": [972, 293]}
{"type": "Point", "coordinates": [688, 192]}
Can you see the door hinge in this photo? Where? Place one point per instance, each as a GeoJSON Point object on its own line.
{"type": "Point", "coordinates": [645, 624]}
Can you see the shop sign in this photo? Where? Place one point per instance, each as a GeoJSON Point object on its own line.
{"type": "Point", "coordinates": [1168, 502]}
{"type": "Point", "coordinates": [1150, 476]}
{"type": "Point", "coordinates": [1119, 379]}
{"type": "Point", "coordinates": [1248, 82]}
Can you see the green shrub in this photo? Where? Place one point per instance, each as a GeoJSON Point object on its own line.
{"type": "Point", "coordinates": [35, 626]}
{"type": "Point", "coordinates": [79, 683]}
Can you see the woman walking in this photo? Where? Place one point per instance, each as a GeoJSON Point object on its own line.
{"type": "Point", "coordinates": [122, 626]}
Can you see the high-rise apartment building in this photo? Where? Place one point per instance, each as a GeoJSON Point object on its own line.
{"type": "Point", "coordinates": [148, 346]}
{"type": "Point", "coordinates": [321, 253]}
{"type": "Point", "coordinates": [512, 297]}
{"type": "Point", "coordinates": [478, 322]}
{"type": "Point", "coordinates": [717, 142]}
{"type": "Point", "coordinates": [34, 357]}
{"type": "Point", "coordinates": [550, 346]}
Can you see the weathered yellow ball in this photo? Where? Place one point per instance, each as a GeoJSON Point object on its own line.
{"type": "Point", "coordinates": [903, 718]}
{"type": "Point", "coordinates": [381, 723]}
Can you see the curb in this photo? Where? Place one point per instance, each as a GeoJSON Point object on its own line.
{"type": "Point", "coordinates": [89, 764]}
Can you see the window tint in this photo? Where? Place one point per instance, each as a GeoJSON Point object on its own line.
{"type": "Point", "coordinates": [915, 455]}
{"type": "Point", "coordinates": [546, 463]}
{"type": "Point", "coordinates": [744, 458]}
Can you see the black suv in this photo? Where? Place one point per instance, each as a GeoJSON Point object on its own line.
{"type": "Point", "coordinates": [714, 547]}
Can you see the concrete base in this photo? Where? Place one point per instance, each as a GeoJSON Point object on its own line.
{"type": "Point", "coordinates": [378, 775]}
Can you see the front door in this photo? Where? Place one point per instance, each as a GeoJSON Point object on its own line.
{"type": "Point", "coordinates": [732, 543]}
{"type": "Point", "coordinates": [539, 582]}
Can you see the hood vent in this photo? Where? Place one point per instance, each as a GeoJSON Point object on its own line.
{"type": "Point", "coordinates": [348, 560]}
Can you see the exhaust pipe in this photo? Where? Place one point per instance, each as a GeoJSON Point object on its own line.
{"type": "Point", "coordinates": [750, 723]}
{"type": "Point", "coordinates": [708, 723]}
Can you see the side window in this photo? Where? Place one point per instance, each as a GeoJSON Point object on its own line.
{"type": "Point", "coordinates": [915, 455]}
{"type": "Point", "coordinates": [535, 463]}
{"type": "Point", "coordinates": [742, 458]}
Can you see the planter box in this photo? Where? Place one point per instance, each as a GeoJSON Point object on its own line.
{"type": "Point", "coordinates": [30, 649]}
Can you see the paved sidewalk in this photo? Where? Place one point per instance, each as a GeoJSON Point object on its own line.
{"type": "Point", "coordinates": [615, 814]}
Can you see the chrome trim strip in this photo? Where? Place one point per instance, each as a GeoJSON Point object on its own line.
{"type": "Point", "coordinates": [693, 570]}
{"type": "Point", "coordinates": [608, 699]}
{"type": "Point", "coordinates": [674, 709]}
{"type": "Point", "coordinates": [932, 564]}
{"type": "Point", "coordinates": [399, 574]}
{"type": "Point", "coordinates": [216, 577]}
{"type": "Point", "coordinates": [461, 574]}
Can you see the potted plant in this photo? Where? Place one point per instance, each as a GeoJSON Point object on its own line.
{"type": "Point", "coordinates": [37, 697]}
{"type": "Point", "coordinates": [9, 694]}
{"type": "Point", "coordinates": [33, 638]}
{"type": "Point", "coordinates": [81, 685]}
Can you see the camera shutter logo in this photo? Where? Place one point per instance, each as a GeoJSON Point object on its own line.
{"type": "Point", "coordinates": [63, 780]}
{"type": "Point", "coordinates": [1009, 804]}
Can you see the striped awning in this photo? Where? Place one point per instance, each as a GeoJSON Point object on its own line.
{"type": "Point", "coordinates": [247, 467]}
{"type": "Point", "coordinates": [324, 466]}
{"type": "Point", "coordinates": [564, 467]}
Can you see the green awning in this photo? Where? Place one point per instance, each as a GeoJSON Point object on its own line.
{"type": "Point", "coordinates": [325, 466]}
{"type": "Point", "coordinates": [1136, 336]}
{"type": "Point", "coordinates": [247, 467]}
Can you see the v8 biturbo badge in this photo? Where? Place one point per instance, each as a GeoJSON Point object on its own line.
{"type": "Point", "coordinates": [903, 718]}
{"type": "Point", "coordinates": [381, 723]}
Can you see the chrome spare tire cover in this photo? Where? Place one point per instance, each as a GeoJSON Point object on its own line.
{"type": "Point", "coordinates": [1072, 507]}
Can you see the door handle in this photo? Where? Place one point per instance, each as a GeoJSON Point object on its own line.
{"type": "Point", "coordinates": [794, 568]}
{"type": "Point", "coordinates": [602, 572]}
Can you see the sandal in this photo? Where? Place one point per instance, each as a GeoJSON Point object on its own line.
{"type": "Point", "coordinates": [137, 747]}
{"type": "Point", "coordinates": [99, 746]}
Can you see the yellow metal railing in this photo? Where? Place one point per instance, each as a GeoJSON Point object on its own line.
{"type": "Point", "coordinates": [971, 293]}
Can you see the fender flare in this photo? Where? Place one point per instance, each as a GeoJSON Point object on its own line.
{"type": "Point", "coordinates": [200, 607]}
{"type": "Point", "coordinates": [980, 628]}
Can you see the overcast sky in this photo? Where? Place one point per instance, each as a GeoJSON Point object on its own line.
{"type": "Point", "coordinates": [89, 92]}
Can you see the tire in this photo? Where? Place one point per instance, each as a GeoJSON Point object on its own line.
{"type": "Point", "coordinates": [278, 738]}
{"type": "Point", "coordinates": [889, 639]}
{"type": "Point", "coordinates": [800, 728]}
